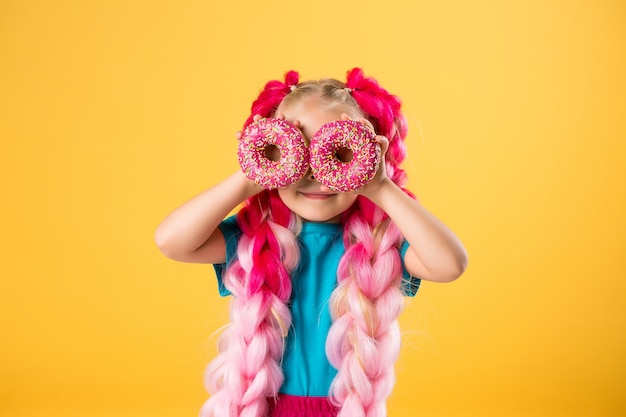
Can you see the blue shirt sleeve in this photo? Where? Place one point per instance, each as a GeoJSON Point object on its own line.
{"type": "Point", "coordinates": [231, 232]}
{"type": "Point", "coordinates": [410, 284]}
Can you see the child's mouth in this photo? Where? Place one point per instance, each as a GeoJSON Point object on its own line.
{"type": "Point", "coordinates": [317, 196]}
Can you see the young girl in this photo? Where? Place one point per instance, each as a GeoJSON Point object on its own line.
{"type": "Point", "coordinates": [317, 277]}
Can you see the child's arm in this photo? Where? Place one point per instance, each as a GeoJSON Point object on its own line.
{"type": "Point", "coordinates": [435, 253]}
{"type": "Point", "coordinates": [190, 232]}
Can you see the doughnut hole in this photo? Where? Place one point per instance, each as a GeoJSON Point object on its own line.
{"type": "Point", "coordinates": [272, 152]}
{"type": "Point", "coordinates": [344, 154]}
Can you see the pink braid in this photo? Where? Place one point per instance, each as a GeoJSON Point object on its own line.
{"type": "Point", "coordinates": [272, 95]}
{"type": "Point", "coordinates": [364, 340]}
{"type": "Point", "coordinates": [247, 372]}
{"type": "Point", "coordinates": [383, 110]}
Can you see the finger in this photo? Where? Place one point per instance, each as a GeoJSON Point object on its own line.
{"type": "Point", "coordinates": [368, 124]}
{"type": "Point", "coordinates": [257, 117]}
{"type": "Point", "coordinates": [383, 142]}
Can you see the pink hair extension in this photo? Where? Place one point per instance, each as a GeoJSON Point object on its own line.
{"type": "Point", "coordinates": [272, 95]}
{"type": "Point", "coordinates": [364, 340]}
{"type": "Point", "coordinates": [247, 372]}
{"type": "Point", "coordinates": [383, 110]}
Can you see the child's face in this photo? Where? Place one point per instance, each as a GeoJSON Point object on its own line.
{"type": "Point", "coordinates": [308, 198]}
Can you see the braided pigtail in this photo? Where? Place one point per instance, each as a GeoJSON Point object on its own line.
{"type": "Point", "coordinates": [247, 373]}
{"type": "Point", "coordinates": [272, 95]}
{"type": "Point", "coordinates": [383, 110]}
{"type": "Point", "coordinates": [364, 340]}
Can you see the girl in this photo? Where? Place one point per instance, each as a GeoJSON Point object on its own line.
{"type": "Point", "coordinates": [317, 276]}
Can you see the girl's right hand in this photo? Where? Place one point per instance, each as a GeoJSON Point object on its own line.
{"type": "Point", "coordinates": [253, 187]}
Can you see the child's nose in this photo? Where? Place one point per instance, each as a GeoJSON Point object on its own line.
{"type": "Point", "coordinates": [310, 176]}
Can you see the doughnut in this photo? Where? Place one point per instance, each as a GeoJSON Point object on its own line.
{"type": "Point", "coordinates": [257, 166]}
{"type": "Point", "coordinates": [330, 170]}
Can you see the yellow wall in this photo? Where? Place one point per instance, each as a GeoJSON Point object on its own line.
{"type": "Point", "coordinates": [113, 112]}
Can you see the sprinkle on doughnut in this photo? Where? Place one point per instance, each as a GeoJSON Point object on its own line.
{"type": "Point", "coordinates": [344, 134]}
{"type": "Point", "coordinates": [254, 162]}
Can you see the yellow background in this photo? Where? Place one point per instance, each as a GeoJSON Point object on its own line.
{"type": "Point", "coordinates": [114, 112]}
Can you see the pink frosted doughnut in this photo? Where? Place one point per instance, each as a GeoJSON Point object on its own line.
{"type": "Point", "coordinates": [338, 175]}
{"type": "Point", "coordinates": [294, 154]}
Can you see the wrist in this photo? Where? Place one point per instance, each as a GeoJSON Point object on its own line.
{"type": "Point", "coordinates": [375, 190]}
{"type": "Point", "coordinates": [389, 196]}
{"type": "Point", "coordinates": [247, 187]}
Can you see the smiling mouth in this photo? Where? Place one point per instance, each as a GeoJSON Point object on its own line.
{"type": "Point", "coordinates": [317, 196]}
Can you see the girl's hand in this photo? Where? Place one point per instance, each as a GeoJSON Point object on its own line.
{"type": "Point", "coordinates": [252, 187]}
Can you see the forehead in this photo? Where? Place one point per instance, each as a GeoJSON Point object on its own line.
{"type": "Point", "coordinates": [312, 112]}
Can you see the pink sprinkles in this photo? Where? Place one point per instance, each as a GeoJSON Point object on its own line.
{"type": "Point", "coordinates": [344, 176]}
{"type": "Point", "coordinates": [294, 153]}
